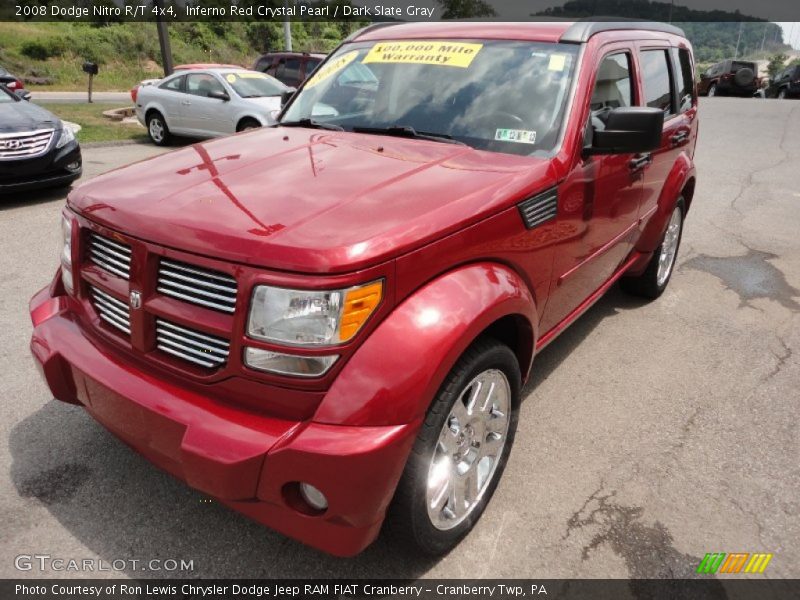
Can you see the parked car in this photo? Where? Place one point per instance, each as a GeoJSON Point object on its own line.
{"type": "Point", "coordinates": [330, 320]}
{"type": "Point", "coordinates": [36, 149]}
{"type": "Point", "coordinates": [786, 84]}
{"type": "Point", "coordinates": [729, 78]}
{"type": "Point", "coordinates": [145, 82]}
{"type": "Point", "coordinates": [292, 68]}
{"type": "Point", "coordinates": [12, 82]}
{"type": "Point", "coordinates": [208, 102]}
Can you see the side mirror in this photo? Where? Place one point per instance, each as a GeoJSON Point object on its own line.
{"type": "Point", "coordinates": [629, 130]}
{"type": "Point", "coordinates": [287, 95]}
{"type": "Point", "coordinates": [219, 95]}
{"type": "Point", "coordinates": [23, 94]}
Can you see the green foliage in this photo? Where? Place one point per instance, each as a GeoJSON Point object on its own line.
{"type": "Point", "coordinates": [776, 62]}
{"type": "Point", "coordinates": [466, 9]}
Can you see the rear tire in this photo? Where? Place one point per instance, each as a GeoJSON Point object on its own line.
{"type": "Point", "coordinates": [782, 94]}
{"type": "Point", "coordinates": [157, 129]}
{"type": "Point", "coordinates": [712, 90]}
{"type": "Point", "coordinates": [655, 278]}
{"type": "Point", "coordinates": [460, 452]}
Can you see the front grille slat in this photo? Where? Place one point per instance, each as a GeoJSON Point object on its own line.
{"type": "Point", "coordinates": [196, 285]}
{"type": "Point", "coordinates": [26, 144]}
{"type": "Point", "coordinates": [111, 310]}
{"type": "Point", "coordinates": [113, 257]}
{"type": "Point", "coordinates": [190, 345]}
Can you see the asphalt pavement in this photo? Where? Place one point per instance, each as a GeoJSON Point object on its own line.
{"type": "Point", "coordinates": [650, 434]}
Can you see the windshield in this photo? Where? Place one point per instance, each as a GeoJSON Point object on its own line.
{"type": "Point", "coordinates": [254, 85]}
{"type": "Point", "coordinates": [502, 96]}
{"type": "Point", "coordinates": [5, 96]}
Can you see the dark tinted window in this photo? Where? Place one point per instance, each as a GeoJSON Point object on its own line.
{"type": "Point", "coordinates": [289, 71]}
{"type": "Point", "coordinates": [202, 84]}
{"type": "Point", "coordinates": [657, 86]}
{"type": "Point", "coordinates": [173, 84]}
{"type": "Point", "coordinates": [263, 63]}
{"type": "Point", "coordinates": [311, 64]}
{"type": "Point", "coordinates": [685, 79]}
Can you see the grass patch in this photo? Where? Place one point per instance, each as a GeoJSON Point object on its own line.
{"type": "Point", "coordinates": [96, 127]}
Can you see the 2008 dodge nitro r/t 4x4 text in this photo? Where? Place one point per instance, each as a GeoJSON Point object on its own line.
{"type": "Point", "coordinates": [326, 324]}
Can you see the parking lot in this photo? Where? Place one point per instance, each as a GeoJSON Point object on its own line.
{"type": "Point", "coordinates": [650, 434]}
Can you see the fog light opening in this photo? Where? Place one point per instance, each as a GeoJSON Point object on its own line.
{"type": "Point", "coordinates": [313, 497]}
{"type": "Point", "coordinates": [74, 166]}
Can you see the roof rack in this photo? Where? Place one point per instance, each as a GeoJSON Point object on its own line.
{"type": "Point", "coordinates": [581, 31]}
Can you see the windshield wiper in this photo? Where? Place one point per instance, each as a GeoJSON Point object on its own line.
{"type": "Point", "coordinates": [409, 132]}
{"type": "Point", "coordinates": [312, 124]}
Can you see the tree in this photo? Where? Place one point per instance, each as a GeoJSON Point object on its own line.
{"type": "Point", "coordinates": [776, 62]}
{"type": "Point", "coordinates": [466, 9]}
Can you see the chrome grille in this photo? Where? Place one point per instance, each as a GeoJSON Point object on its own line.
{"type": "Point", "coordinates": [25, 144]}
{"type": "Point", "coordinates": [111, 256]}
{"type": "Point", "coordinates": [112, 311]}
{"type": "Point", "coordinates": [198, 348]}
{"type": "Point", "coordinates": [196, 285]}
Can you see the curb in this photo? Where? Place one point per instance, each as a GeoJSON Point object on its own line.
{"type": "Point", "coordinates": [111, 144]}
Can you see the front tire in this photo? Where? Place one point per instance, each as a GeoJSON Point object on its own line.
{"type": "Point", "coordinates": [157, 129]}
{"type": "Point", "coordinates": [247, 125]}
{"type": "Point", "coordinates": [652, 283]}
{"type": "Point", "coordinates": [460, 452]}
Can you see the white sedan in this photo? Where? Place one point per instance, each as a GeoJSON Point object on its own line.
{"type": "Point", "coordinates": [204, 103]}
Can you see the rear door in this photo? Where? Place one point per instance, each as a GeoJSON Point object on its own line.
{"type": "Point", "coordinates": [668, 84]}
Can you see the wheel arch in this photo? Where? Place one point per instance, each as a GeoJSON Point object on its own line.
{"type": "Point", "coordinates": [395, 374]}
{"type": "Point", "coordinates": [248, 117]}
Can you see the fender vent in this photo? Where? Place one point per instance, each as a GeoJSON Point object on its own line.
{"type": "Point", "coordinates": [539, 209]}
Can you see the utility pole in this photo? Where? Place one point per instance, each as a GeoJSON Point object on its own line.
{"type": "Point", "coordinates": [741, 26]}
{"type": "Point", "coordinates": [287, 29]}
{"type": "Point", "coordinates": [163, 39]}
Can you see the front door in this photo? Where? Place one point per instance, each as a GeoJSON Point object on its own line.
{"type": "Point", "coordinates": [203, 115]}
{"type": "Point", "coordinates": [599, 200]}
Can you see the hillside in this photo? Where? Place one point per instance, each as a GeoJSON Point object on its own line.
{"type": "Point", "coordinates": [129, 52]}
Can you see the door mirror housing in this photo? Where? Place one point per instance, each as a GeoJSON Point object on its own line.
{"type": "Point", "coordinates": [23, 94]}
{"type": "Point", "coordinates": [219, 95]}
{"type": "Point", "coordinates": [287, 95]}
{"type": "Point", "coordinates": [629, 130]}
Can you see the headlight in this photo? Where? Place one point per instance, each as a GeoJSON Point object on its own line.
{"type": "Point", "coordinates": [311, 318]}
{"type": "Point", "coordinates": [67, 135]}
{"type": "Point", "coordinates": [66, 253]}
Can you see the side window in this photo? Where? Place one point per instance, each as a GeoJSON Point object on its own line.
{"type": "Point", "coordinates": [202, 84]}
{"type": "Point", "coordinates": [657, 80]}
{"type": "Point", "coordinates": [289, 71]}
{"type": "Point", "coordinates": [174, 85]}
{"type": "Point", "coordinates": [613, 86]}
{"type": "Point", "coordinates": [311, 64]}
{"type": "Point", "coordinates": [683, 66]}
{"type": "Point", "coordinates": [263, 63]}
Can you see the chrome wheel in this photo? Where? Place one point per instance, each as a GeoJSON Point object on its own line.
{"type": "Point", "coordinates": [469, 449]}
{"type": "Point", "coordinates": [669, 247]}
{"type": "Point", "coordinates": [156, 129]}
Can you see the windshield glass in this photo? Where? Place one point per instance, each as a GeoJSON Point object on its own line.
{"type": "Point", "coordinates": [5, 96]}
{"type": "Point", "coordinates": [502, 96]}
{"type": "Point", "coordinates": [254, 85]}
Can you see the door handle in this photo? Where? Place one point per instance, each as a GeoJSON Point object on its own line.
{"type": "Point", "coordinates": [679, 138]}
{"type": "Point", "coordinates": [640, 162]}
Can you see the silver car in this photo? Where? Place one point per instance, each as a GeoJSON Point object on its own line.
{"type": "Point", "coordinates": [206, 103]}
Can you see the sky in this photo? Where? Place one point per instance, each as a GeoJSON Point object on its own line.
{"type": "Point", "coordinates": [791, 34]}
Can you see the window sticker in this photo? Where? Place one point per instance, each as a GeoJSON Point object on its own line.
{"type": "Point", "coordinates": [520, 136]}
{"type": "Point", "coordinates": [331, 68]}
{"type": "Point", "coordinates": [231, 78]}
{"type": "Point", "coordinates": [247, 75]}
{"type": "Point", "coordinates": [448, 54]}
{"type": "Point", "coordinates": [557, 62]}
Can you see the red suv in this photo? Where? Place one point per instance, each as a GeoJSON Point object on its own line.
{"type": "Point", "coordinates": [290, 68]}
{"type": "Point", "coordinates": [329, 321]}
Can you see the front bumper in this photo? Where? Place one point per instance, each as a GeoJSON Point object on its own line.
{"type": "Point", "coordinates": [246, 460]}
{"type": "Point", "coordinates": [49, 170]}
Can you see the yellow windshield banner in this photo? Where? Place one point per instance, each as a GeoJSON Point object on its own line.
{"type": "Point", "coordinates": [331, 67]}
{"type": "Point", "coordinates": [448, 54]}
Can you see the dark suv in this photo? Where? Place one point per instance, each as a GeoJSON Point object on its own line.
{"type": "Point", "coordinates": [786, 84]}
{"type": "Point", "coordinates": [729, 78]}
{"type": "Point", "coordinates": [290, 68]}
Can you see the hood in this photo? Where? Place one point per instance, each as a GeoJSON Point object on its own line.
{"type": "Point", "coordinates": [307, 200]}
{"type": "Point", "coordinates": [24, 116]}
{"type": "Point", "coordinates": [266, 103]}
